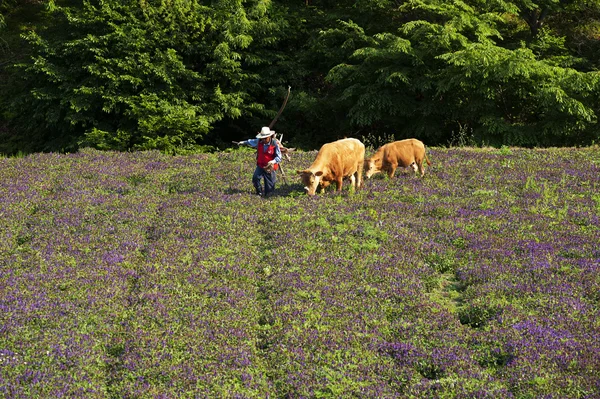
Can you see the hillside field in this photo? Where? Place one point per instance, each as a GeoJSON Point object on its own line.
{"type": "Point", "coordinates": [142, 275]}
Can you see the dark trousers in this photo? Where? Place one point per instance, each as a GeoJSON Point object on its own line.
{"type": "Point", "coordinates": [269, 177]}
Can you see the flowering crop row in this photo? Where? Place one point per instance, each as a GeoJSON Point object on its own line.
{"type": "Point", "coordinates": [150, 276]}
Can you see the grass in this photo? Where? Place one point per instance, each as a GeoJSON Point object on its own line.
{"type": "Point", "coordinates": [145, 275]}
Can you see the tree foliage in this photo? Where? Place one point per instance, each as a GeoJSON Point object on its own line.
{"type": "Point", "coordinates": [455, 68]}
{"type": "Point", "coordinates": [179, 74]}
{"type": "Point", "coordinates": [141, 74]}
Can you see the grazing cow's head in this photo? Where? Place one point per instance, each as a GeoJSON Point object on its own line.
{"type": "Point", "coordinates": [310, 180]}
{"type": "Point", "coordinates": [371, 167]}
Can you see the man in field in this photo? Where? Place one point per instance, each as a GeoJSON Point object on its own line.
{"type": "Point", "coordinates": [268, 158]}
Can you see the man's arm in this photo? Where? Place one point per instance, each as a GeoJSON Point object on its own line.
{"type": "Point", "coordinates": [250, 143]}
{"type": "Point", "coordinates": [277, 158]}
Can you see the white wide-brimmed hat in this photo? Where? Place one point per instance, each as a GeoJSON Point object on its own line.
{"type": "Point", "coordinates": [265, 132]}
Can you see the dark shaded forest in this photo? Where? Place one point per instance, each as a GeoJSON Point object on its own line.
{"type": "Point", "coordinates": [184, 76]}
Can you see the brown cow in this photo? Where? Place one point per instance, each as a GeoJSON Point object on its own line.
{"type": "Point", "coordinates": [403, 153]}
{"type": "Point", "coordinates": [334, 162]}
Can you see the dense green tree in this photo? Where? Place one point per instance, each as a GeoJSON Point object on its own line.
{"type": "Point", "coordinates": [314, 42]}
{"type": "Point", "coordinates": [311, 117]}
{"type": "Point", "coordinates": [128, 74]}
{"type": "Point", "coordinates": [449, 73]}
{"type": "Point", "coordinates": [179, 74]}
{"type": "Point", "coordinates": [5, 6]}
{"type": "Point", "coordinates": [578, 25]}
{"type": "Point", "coordinates": [15, 17]}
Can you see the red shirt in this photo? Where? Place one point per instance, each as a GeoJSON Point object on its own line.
{"type": "Point", "coordinates": [266, 153]}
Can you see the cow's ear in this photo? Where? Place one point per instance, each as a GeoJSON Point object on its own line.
{"type": "Point", "coordinates": [319, 173]}
{"type": "Point", "coordinates": [299, 172]}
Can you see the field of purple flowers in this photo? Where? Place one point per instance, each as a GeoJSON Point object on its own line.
{"type": "Point", "coordinates": [142, 275]}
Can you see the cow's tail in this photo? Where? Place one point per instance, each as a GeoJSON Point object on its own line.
{"type": "Point", "coordinates": [427, 159]}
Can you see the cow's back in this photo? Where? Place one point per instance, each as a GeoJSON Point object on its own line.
{"type": "Point", "coordinates": [342, 156]}
{"type": "Point", "coordinates": [403, 151]}
{"type": "Point", "coordinates": [351, 155]}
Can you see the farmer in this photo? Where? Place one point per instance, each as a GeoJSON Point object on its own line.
{"type": "Point", "coordinates": [268, 157]}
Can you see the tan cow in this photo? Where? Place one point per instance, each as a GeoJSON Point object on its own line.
{"type": "Point", "coordinates": [403, 153]}
{"type": "Point", "coordinates": [334, 162]}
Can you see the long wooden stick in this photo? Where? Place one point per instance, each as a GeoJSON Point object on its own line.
{"type": "Point", "coordinates": [283, 174]}
{"type": "Point", "coordinates": [281, 109]}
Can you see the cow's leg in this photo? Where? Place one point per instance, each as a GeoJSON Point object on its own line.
{"type": "Point", "coordinates": [392, 170]}
{"type": "Point", "coordinates": [413, 166]}
{"type": "Point", "coordinates": [338, 183]}
{"type": "Point", "coordinates": [353, 181]}
{"type": "Point", "coordinates": [420, 166]}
